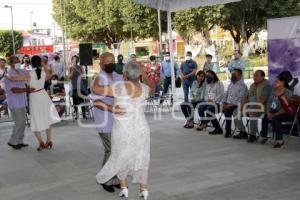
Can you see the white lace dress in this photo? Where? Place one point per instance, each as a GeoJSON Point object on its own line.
{"type": "Point", "coordinates": [42, 111]}
{"type": "Point", "coordinates": [130, 154]}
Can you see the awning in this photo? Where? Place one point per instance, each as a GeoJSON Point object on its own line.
{"type": "Point", "coordinates": [175, 5]}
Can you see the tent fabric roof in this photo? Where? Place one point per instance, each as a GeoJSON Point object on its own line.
{"type": "Point", "coordinates": [175, 5]}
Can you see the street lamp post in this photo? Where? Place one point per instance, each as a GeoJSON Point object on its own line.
{"type": "Point", "coordinates": [12, 27]}
{"type": "Point", "coordinates": [31, 29]}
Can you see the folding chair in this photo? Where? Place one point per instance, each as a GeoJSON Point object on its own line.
{"type": "Point", "coordinates": [295, 122]}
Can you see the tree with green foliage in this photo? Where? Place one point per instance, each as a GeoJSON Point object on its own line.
{"type": "Point", "coordinates": [106, 21]}
{"type": "Point", "coordinates": [6, 43]}
{"type": "Point", "coordinates": [190, 21]}
{"type": "Point", "coordinates": [245, 18]}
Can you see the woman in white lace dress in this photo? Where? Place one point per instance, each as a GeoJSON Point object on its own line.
{"type": "Point", "coordinates": [130, 154]}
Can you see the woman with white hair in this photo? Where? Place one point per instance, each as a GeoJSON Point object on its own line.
{"type": "Point", "coordinates": [130, 153]}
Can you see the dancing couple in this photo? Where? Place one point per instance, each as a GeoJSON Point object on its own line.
{"type": "Point", "coordinates": [42, 111]}
{"type": "Point", "coordinates": [125, 134]}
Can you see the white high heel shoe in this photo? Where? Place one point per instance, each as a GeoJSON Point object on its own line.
{"type": "Point", "coordinates": [144, 194]}
{"type": "Point", "coordinates": [124, 192]}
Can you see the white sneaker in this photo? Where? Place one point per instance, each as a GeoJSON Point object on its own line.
{"type": "Point", "coordinates": [124, 192]}
{"type": "Point", "coordinates": [144, 194]}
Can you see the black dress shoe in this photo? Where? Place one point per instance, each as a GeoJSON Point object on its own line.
{"type": "Point", "coordinates": [251, 139]}
{"type": "Point", "coordinates": [108, 188]}
{"type": "Point", "coordinates": [117, 186]}
{"type": "Point", "coordinates": [227, 135]}
{"type": "Point", "coordinates": [216, 132]}
{"type": "Point", "coordinates": [241, 135]}
{"type": "Point", "coordinates": [17, 147]}
{"type": "Point", "coordinates": [278, 145]}
{"type": "Point", "coordinates": [24, 145]}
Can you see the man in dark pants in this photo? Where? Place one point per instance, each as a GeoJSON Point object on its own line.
{"type": "Point", "coordinates": [103, 117]}
{"type": "Point", "coordinates": [234, 98]}
{"type": "Point", "coordinates": [165, 72]}
{"type": "Point", "coordinates": [16, 100]}
{"type": "Point", "coordinates": [188, 73]}
{"type": "Point", "coordinates": [259, 92]}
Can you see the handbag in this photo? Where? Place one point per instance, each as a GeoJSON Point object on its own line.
{"type": "Point", "coordinates": [178, 82]}
{"type": "Point", "coordinates": [289, 109]}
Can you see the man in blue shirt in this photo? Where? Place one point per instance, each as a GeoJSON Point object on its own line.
{"type": "Point", "coordinates": [188, 70]}
{"type": "Point", "coordinates": [165, 71]}
{"type": "Point", "coordinates": [237, 62]}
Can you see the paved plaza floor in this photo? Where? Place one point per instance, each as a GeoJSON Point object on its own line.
{"type": "Point", "coordinates": [185, 165]}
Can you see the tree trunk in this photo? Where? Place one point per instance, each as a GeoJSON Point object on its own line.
{"type": "Point", "coordinates": [245, 45]}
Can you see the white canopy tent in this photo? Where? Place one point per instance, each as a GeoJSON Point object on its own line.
{"type": "Point", "coordinates": [173, 6]}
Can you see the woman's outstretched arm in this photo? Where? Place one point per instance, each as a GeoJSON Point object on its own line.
{"type": "Point", "coordinates": [21, 77]}
{"type": "Point", "coordinates": [106, 107]}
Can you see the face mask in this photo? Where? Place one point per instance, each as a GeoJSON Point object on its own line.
{"type": "Point", "coordinates": [120, 60]}
{"type": "Point", "coordinates": [188, 58]}
{"type": "Point", "coordinates": [209, 79]}
{"type": "Point", "coordinates": [167, 58]}
{"type": "Point", "coordinates": [234, 78]}
{"type": "Point", "coordinates": [53, 82]}
{"type": "Point", "coordinates": [18, 66]}
{"type": "Point", "coordinates": [109, 68]}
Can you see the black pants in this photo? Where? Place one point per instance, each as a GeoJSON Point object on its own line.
{"type": "Point", "coordinates": [188, 109]}
{"type": "Point", "coordinates": [228, 118]}
{"type": "Point", "coordinates": [167, 83]}
{"type": "Point", "coordinates": [277, 124]}
{"type": "Point", "coordinates": [264, 126]}
{"type": "Point", "coordinates": [77, 100]}
{"type": "Point", "coordinates": [211, 111]}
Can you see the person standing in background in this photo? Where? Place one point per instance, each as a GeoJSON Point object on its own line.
{"type": "Point", "coordinates": [188, 72]}
{"type": "Point", "coordinates": [78, 88]}
{"type": "Point", "coordinates": [26, 63]}
{"type": "Point", "coordinates": [152, 70]}
{"type": "Point", "coordinates": [165, 72]}
{"type": "Point", "coordinates": [58, 68]}
{"type": "Point", "coordinates": [120, 64]}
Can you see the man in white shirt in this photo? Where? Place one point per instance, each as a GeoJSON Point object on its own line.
{"type": "Point", "coordinates": [58, 68]}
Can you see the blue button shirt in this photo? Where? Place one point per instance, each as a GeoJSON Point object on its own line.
{"type": "Point", "coordinates": [165, 70]}
{"type": "Point", "coordinates": [187, 67]}
{"type": "Point", "coordinates": [237, 64]}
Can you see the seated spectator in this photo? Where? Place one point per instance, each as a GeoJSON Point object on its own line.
{"type": "Point", "coordinates": [276, 113]}
{"type": "Point", "coordinates": [3, 71]}
{"type": "Point", "coordinates": [292, 81]}
{"type": "Point", "coordinates": [213, 95]}
{"type": "Point", "coordinates": [258, 93]}
{"type": "Point", "coordinates": [208, 65]}
{"type": "Point", "coordinates": [234, 98]}
{"type": "Point", "coordinates": [3, 101]}
{"type": "Point", "coordinates": [197, 95]}
{"type": "Point", "coordinates": [57, 94]}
